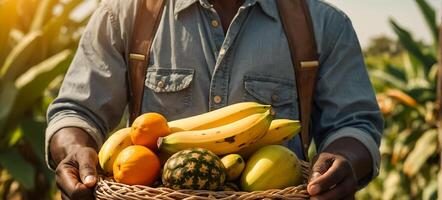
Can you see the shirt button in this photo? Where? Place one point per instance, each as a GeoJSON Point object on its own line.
{"type": "Point", "coordinates": [275, 98]}
{"type": "Point", "coordinates": [217, 99]}
{"type": "Point", "coordinates": [215, 23]}
{"type": "Point", "coordinates": [160, 84]}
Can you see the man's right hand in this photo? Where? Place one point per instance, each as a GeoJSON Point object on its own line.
{"type": "Point", "coordinates": [76, 173]}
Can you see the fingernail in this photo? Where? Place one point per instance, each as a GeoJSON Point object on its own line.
{"type": "Point", "coordinates": [315, 175]}
{"type": "Point", "coordinates": [314, 189]}
{"type": "Point", "coordinates": [89, 180]}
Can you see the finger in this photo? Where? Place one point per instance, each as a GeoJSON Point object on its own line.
{"type": "Point", "coordinates": [344, 190]}
{"type": "Point", "coordinates": [67, 177]}
{"type": "Point", "coordinates": [70, 186]}
{"type": "Point", "coordinates": [335, 174]}
{"type": "Point", "coordinates": [321, 165]}
{"type": "Point", "coordinates": [87, 162]}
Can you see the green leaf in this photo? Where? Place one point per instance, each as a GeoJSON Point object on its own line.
{"type": "Point", "coordinates": [32, 84]}
{"type": "Point", "coordinates": [411, 46]}
{"type": "Point", "coordinates": [388, 78]}
{"type": "Point", "coordinates": [430, 18]}
{"type": "Point", "coordinates": [15, 63]}
{"type": "Point", "coordinates": [19, 168]}
{"type": "Point", "coordinates": [426, 147]}
{"type": "Point", "coordinates": [396, 71]}
{"type": "Point", "coordinates": [8, 93]}
{"type": "Point", "coordinates": [15, 137]}
{"type": "Point", "coordinates": [33, 131]}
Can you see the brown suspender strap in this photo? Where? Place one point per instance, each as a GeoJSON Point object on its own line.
{"type": "Point", "coordinates": [298, 28]}
{"type": "Point", "coordinates": [145, 26]}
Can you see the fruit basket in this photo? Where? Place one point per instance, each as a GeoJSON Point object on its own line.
{"type": "Point", "coordinates": [109, 189]}
{"type": "Point", "coordinates": [160, 159]}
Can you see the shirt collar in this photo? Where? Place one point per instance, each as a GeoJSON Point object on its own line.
{"type": "Point", "coordinates": [268, 6]}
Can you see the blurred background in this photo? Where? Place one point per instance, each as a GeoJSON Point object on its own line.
{"type": "Point", "coordinates": [400, 40]}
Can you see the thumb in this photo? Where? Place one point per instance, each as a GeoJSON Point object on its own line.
{"type": "Point", "coordinates": [321, 164]}
{"type": "Point", "coordinates": [87, 161]}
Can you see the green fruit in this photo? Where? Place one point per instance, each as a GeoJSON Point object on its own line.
{"type": "Point", "coordinates": [271, 167]}
{"type": "Point", "coordinates": [234, 165]}
{"type": "Point", "coordinates": [196, 169]}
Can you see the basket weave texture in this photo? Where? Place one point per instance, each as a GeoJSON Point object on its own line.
{"type": "Point", "coordinates": [108, 189]}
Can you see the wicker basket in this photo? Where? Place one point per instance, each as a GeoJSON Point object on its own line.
{"type": "Point", "coordinates": [108, 189]}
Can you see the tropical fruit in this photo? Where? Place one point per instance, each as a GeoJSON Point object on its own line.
{"type": "Point", "coordinates": [234, 165]}
{"type": "Point", "coordinates": [280, 130]}
{"type": "Point", "coordinates": [136, 165]}
{"type": "Point", "coordinates": [197, 169]}
{"type": "Point", "coordinates": [147, 128]}
{"type": "Point", "coordinates": [271, 167]}
{"type": "Point", "coordinates": [220, 140]}
{"type": "Point", "coordinates": [219, 117]}
{"type": "Point", "coordinates": [112, 147]}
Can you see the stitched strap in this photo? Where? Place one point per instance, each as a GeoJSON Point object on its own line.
{"type": "Point", "coordinates": [146, 23]}
{"type": "Point", "coordinates": [298, 28]}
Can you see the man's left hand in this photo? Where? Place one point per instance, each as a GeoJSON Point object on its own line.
{"type": "Point", "coordinates": [332, 178]}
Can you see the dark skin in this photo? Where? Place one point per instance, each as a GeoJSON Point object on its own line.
{"type": "Point", "coordinates": [335, 171]}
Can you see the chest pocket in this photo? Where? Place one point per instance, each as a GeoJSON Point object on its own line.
{"type": "Point", "coordinates": [280, 93]}
{"type": "Point", "coordinates": [168, 91]}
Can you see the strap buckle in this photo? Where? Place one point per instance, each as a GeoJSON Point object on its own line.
{"type": "Point", "coordinates": [139, 57]}
{"type": "Point", "coordinates": [309, 64]}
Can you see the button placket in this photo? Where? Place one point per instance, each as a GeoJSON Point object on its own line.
{"type": "Point", "coordinates": [220, 76]}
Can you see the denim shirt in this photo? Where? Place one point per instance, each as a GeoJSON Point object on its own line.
{"type": "Point", "coordinates": [195, 67]}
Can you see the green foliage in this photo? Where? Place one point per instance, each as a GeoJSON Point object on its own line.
{"type": "Point", "coordinates": [406, 85]}
{"type": "Point", "coordinates": [36, 47]}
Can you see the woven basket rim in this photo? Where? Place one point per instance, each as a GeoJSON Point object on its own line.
{"type": "Point", "coordinates": [108, 189]}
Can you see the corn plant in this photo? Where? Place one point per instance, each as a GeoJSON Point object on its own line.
{"type": "Point", "coordinates": [406, 86]}
{"type": "Point", "coordinates": [37, 41]}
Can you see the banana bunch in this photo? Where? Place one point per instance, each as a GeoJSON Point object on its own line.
{"type": "Point", "coordinates": [220, 140]}
{"type": "Point", "coordinates": [240, 128]}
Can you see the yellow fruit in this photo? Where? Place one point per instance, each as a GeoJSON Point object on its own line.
{"type": "Point", "coordinates": [112, 147]}
{"type": "Point", "coordinates": [271, 167]}
{"type": "Point", "coordinates": [147, 128]}
{"type": "Point", "coordinates": [280, 130]}
{"type": "Point", "coordinates": [136, 165]}
{"type": "Point", "coordinates": [219, 117]}
{"type": "Point", "coordinates": [234, 165]}
{"type": "Point", "coordinates": [220, 140]}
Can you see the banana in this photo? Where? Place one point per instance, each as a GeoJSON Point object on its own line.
{"type": "Point", "coordinates": [280, 130]}
{"type": "Point", "coordinates": [234, 165]}
{"type": "Point", "coordinates": [112, 147]}
{"type": "Point", "coordinates": [218, 117]}
{"type": "Point", "coordinates": [220, 140]}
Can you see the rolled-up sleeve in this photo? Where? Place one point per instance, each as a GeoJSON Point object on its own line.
{"type": "Point", "coordinates": [93, 94]}
{"type": "Point", "coordinates": [345, 103]}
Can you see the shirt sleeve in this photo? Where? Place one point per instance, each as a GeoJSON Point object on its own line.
{"type": "Point", "coordinates": [345, 103]}
{"type": "Point", "coordinates": [93, 95]}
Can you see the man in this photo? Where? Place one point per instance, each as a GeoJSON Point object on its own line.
{"type": "Point", "coordinates": [206, 55]}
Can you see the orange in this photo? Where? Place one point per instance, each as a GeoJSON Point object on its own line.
{"type": "Point", "coordinates": [136, 165]}
{"type": "Point", "coordinates": [147, 128]}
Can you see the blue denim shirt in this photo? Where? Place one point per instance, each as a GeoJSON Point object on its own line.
{"type": "Point", "coordinates": [195, 67]}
